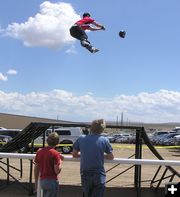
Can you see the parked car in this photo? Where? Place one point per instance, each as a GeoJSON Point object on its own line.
{"type": "Point", "coordinates": [177, 129]}
{"type": "Point", "coordinates": [156, 136]}
{"type": "Point", "coordinates": [167, 140]}
{"type": "Point", "coordinates": [132, 139]}
{"type": "Point", "coordinates": [10, 132]}
{"type": "Point", "coordinates": [177, 140]}
{"type": "Point", "coordinates": [112, 138]}
{"type": "Point", "coordinates": [124, 138]}
{"type": "Point", "coordinates": [67, 136]}
{"type": "Point", "coordinates": [7, 135]}
{"type": "Point", "coordinates": [4, 139]}
{"type": "Point", "coordinates": [2, 128]}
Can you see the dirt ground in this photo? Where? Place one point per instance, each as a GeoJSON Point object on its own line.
{"type": "Point", "coordinates": [70, 172]}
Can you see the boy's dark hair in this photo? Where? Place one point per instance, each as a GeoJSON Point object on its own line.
{"type": "Point", "coordinates": [53, 139]}
{"type": "Point", "coordinates": [86, 14]}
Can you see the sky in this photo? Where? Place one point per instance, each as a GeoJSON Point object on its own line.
{"type": "Point", "coordinates": [44, 72]}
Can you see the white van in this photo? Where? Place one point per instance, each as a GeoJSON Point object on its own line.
{"type": "Point", "coordinates": [67, 136]}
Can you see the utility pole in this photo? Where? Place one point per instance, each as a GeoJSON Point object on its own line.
{"type": "Point", "coordinates": [121, 118]}
{"type": "Point", "coordinates": [117, 121]}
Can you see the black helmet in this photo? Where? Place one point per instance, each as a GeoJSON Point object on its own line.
{"type": "Point", "coordinates": [86, 14]}
{"type": "Point", "coordinates": [122, 34]}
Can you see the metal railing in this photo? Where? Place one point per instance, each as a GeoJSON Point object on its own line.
{"type": "Point", "coordinates": [136, 162]}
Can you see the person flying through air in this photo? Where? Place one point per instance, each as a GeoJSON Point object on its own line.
{"type": "Point", "coordinates": [78, 31]}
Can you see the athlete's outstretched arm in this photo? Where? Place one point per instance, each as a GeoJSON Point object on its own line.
{"type": "Point", "coordinates": [97, 27]}
{"type": "Point", "coordinates": [97, 24]}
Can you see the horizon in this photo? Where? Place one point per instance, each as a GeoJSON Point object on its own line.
{"type": "Point", "coordinates": [45, 72]}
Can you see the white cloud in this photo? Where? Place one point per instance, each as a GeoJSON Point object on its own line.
{"type": "Point", "coordinates": [48, 28]}
{"type": "Point", "coordinates": [71, 50]}
{"type": "Point", "coordinates": [9, 72]}
{"type": "Point", "coordinates": [12, 72]}
{"type": "Point", "coordinates": [3, 77]}
{"type": "Point", "coordinates": [161, 106]}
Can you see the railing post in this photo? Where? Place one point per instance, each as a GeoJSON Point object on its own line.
{"type": "Point", "coordinates": [7, 171]}
{"type": "Point", "coordinates": [138, 155]}
{"type": "Point", "coordinates": [39, 190]}
{"type": "Point", "coordinates": [31, 169]}
{"type": "Point", "coordinates": [21, 168]}
{"type": "Point", "coordinates": [30, 178]}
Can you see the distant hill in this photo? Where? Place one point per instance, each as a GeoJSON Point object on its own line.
{"type": "Point", "coordinates": [12, 121]}
{"type": "Point", "coordinates": [19, 122]}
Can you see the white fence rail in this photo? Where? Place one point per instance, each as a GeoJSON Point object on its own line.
{"type": "Point", "coordinates": [116, 160]}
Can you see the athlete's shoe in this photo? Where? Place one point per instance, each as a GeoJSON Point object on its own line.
{"type": "Point", "coordinates": [94, 50]}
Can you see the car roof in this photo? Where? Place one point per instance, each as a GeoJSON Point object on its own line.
{"type": "Point", "coordinates": [5, 136]}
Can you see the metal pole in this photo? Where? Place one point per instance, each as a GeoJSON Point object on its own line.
{"type": "Point", "coordinates": [21, 167]}
{"type": "Point", "coordinates": [7, 171]}
{"type": "Point", "coordinates": [138, 155]}
{"type": "Point", "coordinates": [31, 168]}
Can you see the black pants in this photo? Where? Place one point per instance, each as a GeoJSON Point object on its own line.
{"type": "Point", "coordinates": [78, 33]}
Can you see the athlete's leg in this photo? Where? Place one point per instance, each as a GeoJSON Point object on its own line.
{"type": "Point", "coordinates": [85, 43]}
{"type": "Point", "coordinates": [88, 46]}
{"type": "Point", "coordinates": [78, 33]}
{"type": "Point", "coordinates": [82, 36]}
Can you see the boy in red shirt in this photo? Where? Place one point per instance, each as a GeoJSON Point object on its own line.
{"type": "Point", "coordinates": [48, 163]}
{"type": "Point", "coordinates": [78, 31]}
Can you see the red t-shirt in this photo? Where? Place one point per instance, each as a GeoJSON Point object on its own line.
{"type": "Point", "coordinates": [84, 22]}
{"type": "Point", "coordinates": [46, 158]}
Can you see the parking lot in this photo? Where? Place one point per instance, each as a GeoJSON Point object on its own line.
{"type": "Point", "coordinates": [162, 138]}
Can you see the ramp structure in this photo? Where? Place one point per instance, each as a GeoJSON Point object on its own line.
{"type": "Point", "coordinates": [31, 132]}
{"type": "Point", "coordinates": [35, 129]}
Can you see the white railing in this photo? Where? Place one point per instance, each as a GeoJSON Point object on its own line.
{"type": "Point", "coordinates": [116, 160]}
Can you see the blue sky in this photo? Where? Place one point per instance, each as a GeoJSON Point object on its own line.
{"type": "Point", "coordinates": [46, 73]}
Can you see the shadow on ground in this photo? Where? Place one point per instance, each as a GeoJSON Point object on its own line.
{"type": "Point", "coordinates": [16, 189]}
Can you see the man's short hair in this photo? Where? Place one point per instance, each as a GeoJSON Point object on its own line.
{"type": "Point", "coordinates": [86, 14]}
{"type": "Point", "coordinates": [98, 126]}
{"type": "Point", "coordinates": [53, 139]}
